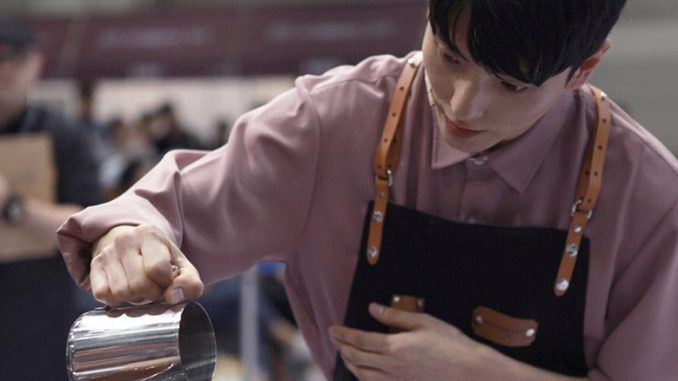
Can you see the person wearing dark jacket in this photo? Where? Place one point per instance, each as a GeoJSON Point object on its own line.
{"type": "Point", "coordinates": [37, 297]}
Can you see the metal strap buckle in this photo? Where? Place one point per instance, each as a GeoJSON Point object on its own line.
{"type": "Point", "coordinates": [576, 205]}
{"type": "Point", "coordinates": [389, 173]}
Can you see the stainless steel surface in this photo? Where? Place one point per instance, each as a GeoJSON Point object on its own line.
{"type": "Point", "coordinates": [153, 342]}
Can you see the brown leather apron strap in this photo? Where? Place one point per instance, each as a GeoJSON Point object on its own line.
{"type": "Point", "coordinates": [588, 189]}
{"type": "Point", "coordinates": [386, 157]}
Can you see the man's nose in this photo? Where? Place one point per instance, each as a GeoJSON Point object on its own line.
{"type": "Point", "coordinates": [469, 99]}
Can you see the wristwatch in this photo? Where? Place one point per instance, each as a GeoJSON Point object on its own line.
{"type": "Point", "coordinates": [13, 211]}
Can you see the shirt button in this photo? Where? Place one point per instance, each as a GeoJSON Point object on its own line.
{"type": "Point", "coordinates": [479, 160]}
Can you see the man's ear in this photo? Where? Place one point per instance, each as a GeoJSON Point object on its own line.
{"type": "Point", "coordinates": [586, 68]}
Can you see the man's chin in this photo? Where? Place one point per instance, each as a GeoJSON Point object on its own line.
{"type": "Point", "coordinates": [471, 146]}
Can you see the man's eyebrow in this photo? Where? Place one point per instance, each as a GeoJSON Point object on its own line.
{"type": "Point", "coordinates": [458, 52]}
{"type": "Point", "coordinates": [511, 80]}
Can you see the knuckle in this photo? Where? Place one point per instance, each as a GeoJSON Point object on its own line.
{"type": "Point", "coordinates": [393, 346]}
{"type": "Point", "coordinates": [124, 239]}
{"type": "Point", "coordinates": [106, 255]}
{"type": "Point", "coordinates": [107, 251]}
{"type": "Point", "coordinates": [158, 268]}
{"type": "Point", "coordinates": [100, 294]}
{"type": "Point", "coordinates": [120, 291]}
{"type": "Point", "coordinates": [99, 261]}
{"type": "Point", "coordinates": [138, 286]}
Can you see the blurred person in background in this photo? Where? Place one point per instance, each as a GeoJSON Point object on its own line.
{"type": "Point", "coordinates": [454, 260]}
{"type": "Point", "coordinates": [36, 294]}
{"type": "Point", "coordinates": [132, 155]}
{"type": "Point", "coordinates": [168, 133]}
{"type": "Point", "coordinates": [222, 130]}
{"type": "Point", "coordinates": [97, 131]}
{"type": "Point", "coordinates": [86, 101]}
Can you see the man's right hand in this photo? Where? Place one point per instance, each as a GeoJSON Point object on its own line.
{"type": "Point", "coordinates": [134, 264]}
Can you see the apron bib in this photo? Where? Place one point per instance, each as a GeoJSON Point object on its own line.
{"type": "Point", "coordinates": [516, 289]}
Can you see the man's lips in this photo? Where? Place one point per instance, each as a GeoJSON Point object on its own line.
{"type": "Point", "coordinates": [460, 132]}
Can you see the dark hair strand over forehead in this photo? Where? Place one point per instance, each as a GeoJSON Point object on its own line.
{"type": "Point", "coordinates": [529, 40]}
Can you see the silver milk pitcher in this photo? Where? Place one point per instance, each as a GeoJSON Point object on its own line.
{"type": "Point", "coordinates": [154, 342]}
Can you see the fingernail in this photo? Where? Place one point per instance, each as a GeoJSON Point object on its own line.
{"type": "Point", "coordinates": [376, 308]}
{"type": "Point", "coordinates": [176, 296]}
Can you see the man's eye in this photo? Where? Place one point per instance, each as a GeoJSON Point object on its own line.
{"type": "Point", "coordinates": [513, 88]}
{"type": "Point", "coordinates": [450, 58]}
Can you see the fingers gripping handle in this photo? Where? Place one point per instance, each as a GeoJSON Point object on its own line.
{"type": "Point", "coordinates": [176, 295]}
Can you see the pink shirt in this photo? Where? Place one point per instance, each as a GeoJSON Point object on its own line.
{"type": "Point", "coordinates": [295, 178]}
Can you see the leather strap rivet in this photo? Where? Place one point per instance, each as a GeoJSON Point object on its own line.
{"type": "Point", "coordinates": [372, 252]}
{"type": "Point", "coordinates": [572, 250]}
{"type": "Point", "coordinates": [381, 194]}
{"type": "Point", "coordinates": [479, 319]}
{"type": "Point", "coordinates": [377, 217]}
{"type": "Point", "coordinates": [562, 284]}
{"type": "Point", "coordinates": [396, 299]}
{"type": "Point", "coordinates": [577, 229]}
{"type": "Point", "coordinates": [411, 62]}
{"type": "Point", "coordinates": [420, 303]}
{"type": "Point", "coordinates": [530, 332]}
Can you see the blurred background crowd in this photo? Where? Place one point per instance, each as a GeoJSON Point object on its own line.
{"type": "Point", "coordinates": [140, 77]}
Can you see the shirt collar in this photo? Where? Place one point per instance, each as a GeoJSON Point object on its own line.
{"type": "Point", "coordinates": [518, 161]}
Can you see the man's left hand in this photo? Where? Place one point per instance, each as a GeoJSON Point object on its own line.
{"type": "Point", "coordinates": [426, 349]}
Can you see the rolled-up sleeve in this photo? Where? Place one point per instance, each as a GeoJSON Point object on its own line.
{"type": "Point", "coordinates": [227, 208]}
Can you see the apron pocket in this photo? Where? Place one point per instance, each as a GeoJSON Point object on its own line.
{"type": "Point", "coordinates": [503, 329]}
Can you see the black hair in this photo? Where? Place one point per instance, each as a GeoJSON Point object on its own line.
{"type": "Point", "coordinates": [17, 34]}
{"type": "Point", "coordinates": [529, 40]}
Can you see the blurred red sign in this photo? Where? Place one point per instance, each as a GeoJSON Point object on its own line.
{"type": "Point", "coordinates": [227, 42]}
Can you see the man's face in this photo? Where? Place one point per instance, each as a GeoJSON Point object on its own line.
{"type": "Point", "coordinates": [475, 110]}
{"type": "Point", "coordinates": [18, 71]}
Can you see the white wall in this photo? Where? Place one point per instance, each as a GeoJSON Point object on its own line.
{"type": "Point", "coordinates": [199, 103]}
{"type": "Point", "coordinates": [641, 72]}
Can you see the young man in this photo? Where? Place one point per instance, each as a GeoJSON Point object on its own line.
{"type": "Point", "coordinates": [38, 295]}
{"type": "Point", "coordinates": [489, 236]}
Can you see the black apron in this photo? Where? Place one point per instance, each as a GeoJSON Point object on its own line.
{"type": "Point", "coordinates": [515, 289]}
